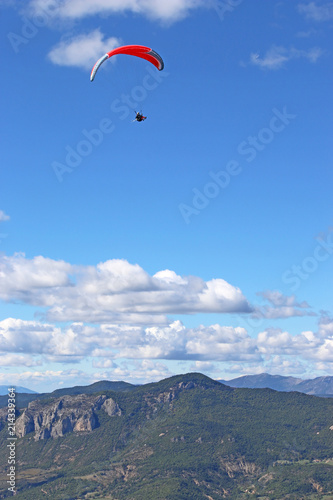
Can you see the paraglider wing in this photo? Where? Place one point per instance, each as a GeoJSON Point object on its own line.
{"type": "Point", "coordinates": [131, 50]}
{"type": "Point", "coordinates": [97, 65]}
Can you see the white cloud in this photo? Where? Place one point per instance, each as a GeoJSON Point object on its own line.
{"type": "Point", "coordinates": [104, 363]}
{"type": "Point", "coordinates": [326, 326]}
{"type": "Point", "coordinates": [32, 281]}
{"type": "Point", "coordinates": [18, 360]}
{"type": "Point", "coordinates": [112, 292]}
{"type": "Point", "coordinates": [308, 345]}
{"type": "Point", "coordinates": [203, 366]}
{"type": "Point", "coordinates": [115, 276]}
{"type": "Point", "coordinates": [325, 351]}
{"type": "Point", "coordinates": [220, 295]}
{"type": "Point", "coordinates": [324, 367]}
{"type": "Point", "coordinates": [316, 12]}
{"type": "Point", "coordinates": [82, 51]}
{"type": "Point", "coordinates": [3, 216]}
{"type": "Point", "coordinates": [277, 56]}
{"type": "Point", "coordinates": [138, 372]}
{"type": "Point", "coordinates": [282, 366]}
{"type": "Point", "coordinates": [31, 337]}
{"type": "Point", "coordinates": [278, 299]}
{"type": "Point", "coordinates": [221, 343]}
{"type": "Point", "coordinates": [171, 10]}
{"type": "Point", "coordinates": [274, 341]}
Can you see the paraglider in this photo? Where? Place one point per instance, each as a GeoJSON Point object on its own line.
{"type": "Point", "coordinates": [132, 50]}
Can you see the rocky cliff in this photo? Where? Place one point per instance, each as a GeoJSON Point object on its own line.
{"type": "Point", "coordinates": [51, 419]}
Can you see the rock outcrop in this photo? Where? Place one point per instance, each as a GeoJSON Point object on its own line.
{"type": "Point", "coordinates": [111, 408]}
{"type": "Point", "coordinates": [52, 419]}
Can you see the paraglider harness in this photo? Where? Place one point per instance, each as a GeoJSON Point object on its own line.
{"type": "Point", "coordinates": [139, 117]}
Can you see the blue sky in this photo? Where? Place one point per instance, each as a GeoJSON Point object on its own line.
{"type": "Point", "coordinates": [200, 239]}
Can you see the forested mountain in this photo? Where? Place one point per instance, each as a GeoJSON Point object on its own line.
{"type": "Point", "coordinates": [186, 437]}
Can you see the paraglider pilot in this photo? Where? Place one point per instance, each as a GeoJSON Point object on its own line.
{"type": "Point", "coordinates": [139, 117]}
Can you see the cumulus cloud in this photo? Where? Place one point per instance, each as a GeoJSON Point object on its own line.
{"type": "Point", "coordinates": [112, 292]}
{"type": "Point", "coordinates": [138, 372]}
{"type": "Point", "coordinates": [18, 360]}
{"type": "Point", "coordinates": [325, 351]}
{"type": "Point", "coordinates": [34, 338]}
{"type": "Point", "coordinates": [82, 51]}
{"type": "Point", "coordinates": [32, 281]}
{"type": "Point", "coordinates": [104, 363]}
{"type": "Point", "coordinates": [109, 342]}
{"type": "Point", "coordinates": [221, 343]}
{"type": "Point", "coordinates": [277, 56]}
{"type": "Point", "coordinates": [316, 12]}
{"type": "Point", "coordinates": [326, 326]}
{"type": "Point", "coordinates": [203, 366]}
{"type": "Point", "coordinates": [170, 11]}
{"type": "Point", "coordinates": [307, 345]}
{"type": "Point", "coordinates": [274, 340]}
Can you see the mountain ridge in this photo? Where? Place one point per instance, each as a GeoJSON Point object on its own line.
{"type": "Point", "coordinates": [319, 386]}
{"type": "Point", "coordinates": [22, 399]}
{"type": "Point", "coordinates": [184, 437]}
{"type": "Point", "coordinates": [18, 389]}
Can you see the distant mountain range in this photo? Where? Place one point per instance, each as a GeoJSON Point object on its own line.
{"type": "Point", "coordinates": [24, 398]}
{"type": "Point", "coordinates": [320, 386]}
{"type": "Point", "coordinates": [185, 437]}
{"type": "Point", "coordinates": [18, 388]}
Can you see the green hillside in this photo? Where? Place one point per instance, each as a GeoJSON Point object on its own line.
{"type": "Point", "coordinates": [186, 437]}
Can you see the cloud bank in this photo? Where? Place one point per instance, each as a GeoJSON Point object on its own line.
{"type": "Point", "coordinates": [113, 291]}
{"type": "Point", "coordinates": [29, 342]}
{"type": "Point", "coordinates": [115, 318]}
{"type": "Point", "coordinates": [134, 353]}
